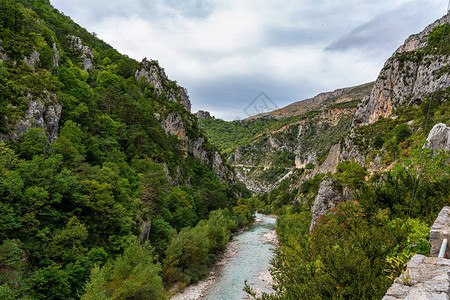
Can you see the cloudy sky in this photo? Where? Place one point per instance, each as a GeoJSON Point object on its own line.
{"type": "Point", "coordinates": [227, 52]}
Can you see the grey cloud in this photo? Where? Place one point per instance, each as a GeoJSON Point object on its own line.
{"type": "Point", "coordinates": [96, 10]}
{"type": "Point", "coordinates": [192, 8]}
{"type": "Point", "coordinates": [387, 31]}
{"type": "Point", "coordinates": [288, 37]}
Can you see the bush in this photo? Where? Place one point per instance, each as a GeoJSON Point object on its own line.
{"type": "Point", "coordinates": [310, 166]}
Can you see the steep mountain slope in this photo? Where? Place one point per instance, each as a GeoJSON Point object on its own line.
{"type": "Point", "coordinates": [98, 151]}
{"type": "Point", "coordinates": [417, 74]}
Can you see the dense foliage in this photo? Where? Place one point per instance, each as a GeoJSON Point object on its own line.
{"type": "Point", "coordinates": [72, 211]}
{"type": "Point", "coordinates": [358, 247]}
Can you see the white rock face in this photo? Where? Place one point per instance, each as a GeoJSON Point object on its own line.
{"type": "Point", "coordinates": [3, 55]}
{"type": "Point", "coordinates": [87, 55]}
{"type": "Point", "coordinates": [173, 124]}
{"type": "Point", "coordinates": [55, 56]}
{"type": "Point", "coordinates": [203, 114]}
{"type": "Point", "coordinates": [39, 115]}
{"type": "Point", "coordinates": [418, 41]}
{"type": "Point", "coordinates": [157, 77]}
{"type": "Point", "coordinates": [332, 160]}
{"type": "Point", "coordinates": [32, 60]}
{"type": "Point", "coordinates": [439, 138]}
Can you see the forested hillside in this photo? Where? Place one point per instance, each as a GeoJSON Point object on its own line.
{"type": "Point", "coordinates": [108, 189]}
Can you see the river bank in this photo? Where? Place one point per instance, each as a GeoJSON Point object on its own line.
{"type": "Point", "coordinates": [249, 244]}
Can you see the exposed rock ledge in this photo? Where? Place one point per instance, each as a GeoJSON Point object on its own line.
{"type": "Point", "coordinates": [156, 76]}
{"type": "Point", "coordinates": [44, 115]}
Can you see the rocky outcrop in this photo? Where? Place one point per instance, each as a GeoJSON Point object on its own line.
{"type": "Point", "coordinates": [55, 55]}
{"type": "Point", "coordinates": [32, 60]}
{"type": "Point", "coordinates": [406, 78]}
{"type": "Point", "coordinates": [331, 162]}
{"type": "Point", "coordinates": [196, 149]}
{"type": "Point", "coordinates": [39, 115]}
{"type": "Point", "coordinates": [87, 55]}
{"type": "Point", "coordinates": [439, 138]}
{"type": "Point", "coordinates": [301, 162]}
{"type": "Point", "coordinates": [418, 41]}
{"type": "Point", "coordinates": [327, 197]}
{"type": "Point", "coordinates": [157, 77]}
{"type": "Point", "coordinates": [145, 228]}
{"type": "Point", "coordinates": [222, 170]}
{"type": "Point", "coordinates": [251, 185]}
{"type": "Point", "coordinates": [173, 124]}
{"type": "Point", "coordinates": [202, 114]}
{"type": "Point", "coordinates": [296, 144]}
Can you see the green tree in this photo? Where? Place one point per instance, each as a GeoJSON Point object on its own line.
{"type": "Point", "coordinates": [351, 174]}
{"type": "Point", "coordinates": [32, 142]}
{"type": "Point", "coordinates": [68, 245]}
{"type": "Point", "coordinates": [51, 282]}
{"type": "Point", "coordinates": [132, 275]}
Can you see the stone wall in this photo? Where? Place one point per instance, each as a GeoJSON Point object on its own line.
{"type": "Point", "coordinates": [440, 231]}
{"type": "Point", "coordinates": [426, 277]}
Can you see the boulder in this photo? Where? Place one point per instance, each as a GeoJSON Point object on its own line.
{"type": "Point", "coordinates": [439, 138]}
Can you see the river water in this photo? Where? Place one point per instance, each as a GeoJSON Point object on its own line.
{"type": "Point", "coordinates": [250, 261]}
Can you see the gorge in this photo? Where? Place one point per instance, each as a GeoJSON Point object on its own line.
{"type": "Point", "coordinates": [111, 188]}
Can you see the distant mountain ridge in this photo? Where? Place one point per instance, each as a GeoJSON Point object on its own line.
{"type": "Point", "coordinates": [318, 102]}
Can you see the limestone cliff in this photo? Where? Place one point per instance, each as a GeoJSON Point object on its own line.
{"type": "Point", "coordinates": [318, 102]}
{"type": "Point", "coordinates": [177, 123]}
{"type": "Point", "coordinates": [302, 143]}
{"type": "Point", "coordinates": [203, 114]}
{"type": "Point", "coordinates": [325, 130]}
{"type": "Point", "coordinates": [406, 78]}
